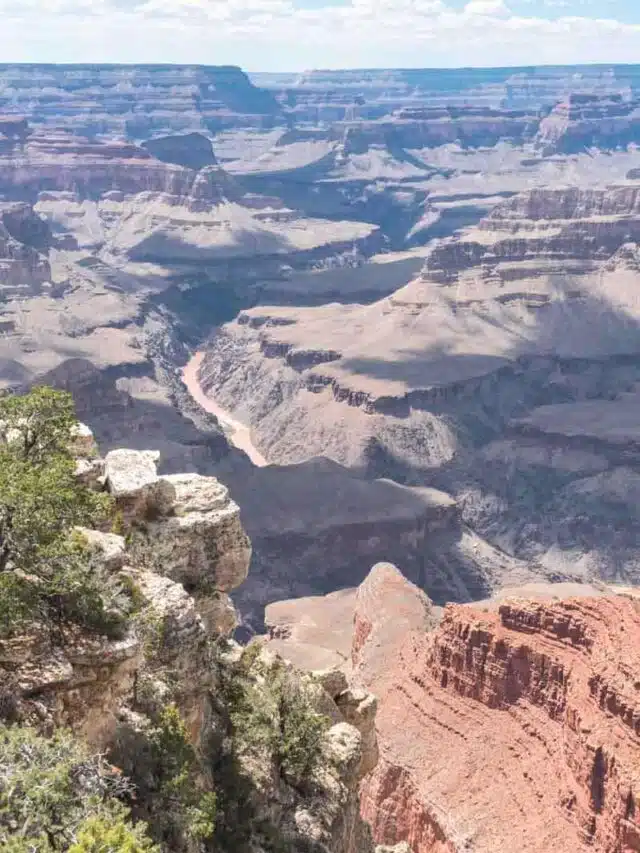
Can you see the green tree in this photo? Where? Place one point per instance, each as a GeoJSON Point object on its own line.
{"type": "Point", "coordinates": [114, 835]}
{"type": "Point", "coordinates": [171, 793]}
{"type": "Point", "coordinates": [56, 797]}
{"type": "Point", "coordinates": [276, 716]}
{"type": "Point", "coordinates": [46, 573]}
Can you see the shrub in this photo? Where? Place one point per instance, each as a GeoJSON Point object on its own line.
{"type": "Point", "coordinates": [298, 740]}
{"type": "Point", "coordinates": [116, 835]}
{"type": "Point", "coordinates": [276, 716]}
{"type": "Point", "coordinates": [54, 793]}
{"type": "Point", "coordinates": [170, 796]}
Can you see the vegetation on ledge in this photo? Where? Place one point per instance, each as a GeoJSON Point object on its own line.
{"type": "Point", "coordinates": [48, 576]}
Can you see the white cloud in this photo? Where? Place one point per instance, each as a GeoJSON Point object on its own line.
{"type": "Point", "coordinates": [277, 35]}
{"type": "Point", "coordinates": [486, 7]}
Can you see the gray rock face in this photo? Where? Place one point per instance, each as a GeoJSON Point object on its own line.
{"type": "Point", "coordinates": [359, 709]}
{"type": "Point", "coordinates": [24, 267]}
{"type": "Point", "coordinates": [202, 539]}
{"type": "Point", "coordinates": [109, 549]}
{"type": "Point", "coordinates": [184, 526]}
{"type": "Point", "coordinates": [131, 477]}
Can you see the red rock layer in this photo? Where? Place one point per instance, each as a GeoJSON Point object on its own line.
{"type": "Point", "coordinates": [515, 729]}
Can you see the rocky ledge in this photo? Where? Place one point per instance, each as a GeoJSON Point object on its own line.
{"type": "Point", "coordinates": [184, 550]}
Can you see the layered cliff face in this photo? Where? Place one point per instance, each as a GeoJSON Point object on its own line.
{"type": "Point", "coordinates": [313, 540]}
{"type": "Point", "coordinates": [507, 724]}
{"type": "Point", "coordinates": [499, 374]}
{"type": "Point", "coordinates": [589, 121]}
{"type": "Point", "coordinates": [136, 101]}
{"type": "Point", "coordinates": [185, 550]}
{"type": "Point", "coordinates": [24, 247]}
{"type": "Point", "coordinates": [329, 95]}
{"type": "Point", "coordinates": [534, 695]}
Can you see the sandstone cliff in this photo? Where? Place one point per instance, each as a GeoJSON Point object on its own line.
{"type": "Point", "coordinates": [519, 728]}
{"type": "Point", "coordinates": [509, 724]}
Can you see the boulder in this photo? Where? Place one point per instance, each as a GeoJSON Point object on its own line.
{"type": "Point", "coordinates": [131, 478]}
{"type": "Point", "coordinates": [107, 548]}
{"type": "Point", "coordinates": [359, 709]}
{"type": "Point", "coordinates": [202, 543]}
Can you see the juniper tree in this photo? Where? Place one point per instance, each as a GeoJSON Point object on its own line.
{"type": "Point", "coordinates": [47, 574]}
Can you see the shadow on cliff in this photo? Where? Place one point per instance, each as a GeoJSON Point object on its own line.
{"type": "Point", "coordinates": [317, 527]}
{"type": "Point", "coordinates": [246, 243]}
{"type": "Point", "coordinates": [120, 419]}
{"type": "Point", "coordinates": [531, 496]}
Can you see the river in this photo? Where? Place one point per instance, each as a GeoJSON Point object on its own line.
{"type": "Point", "coordinates": [238, 433]}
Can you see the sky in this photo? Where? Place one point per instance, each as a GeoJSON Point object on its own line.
{"type": "Point", "coordinates": [297, 35]}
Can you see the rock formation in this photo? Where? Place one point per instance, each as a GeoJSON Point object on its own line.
{"type": "Point", "coordinates": [323, 96]}
{"type": "Point", "coordinates": [24, 245]}
{"type": "Point", "coordinates": [509, 695]}
{"type": "Point", "coordinates": [136, 101]}
{"type": "Point", "coordinates": [306, 209]}
{"type": "Point", "coordinates": [191, 150]}
{"type": "Point", "coordinates": [508, 724]}
{"type": "Point", "coordinates": [589, 121]}
{"type": "Point", "coordinates": [471, 373]}
{"type": "Point", "coordinates": [184, 529]}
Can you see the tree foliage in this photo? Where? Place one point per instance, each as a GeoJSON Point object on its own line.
{"type": "Point", "coordinates": [55, 797]}
{"type": "Point", "coordinates": [47, 574]}
{"type": "Point", "coordinates": [276, 716]}
{"type": "Point", "coordinates": [171, 794]}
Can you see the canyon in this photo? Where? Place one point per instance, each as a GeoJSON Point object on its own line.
{"type": "Point", "coordinates": [396, 313]}
{"type": "Point", "coordinates": [309, 260]}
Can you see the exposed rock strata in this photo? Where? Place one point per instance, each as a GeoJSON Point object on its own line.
{"type": "Point", "coordinates": [301, 550]}
{"type": "Point", "coordinates": [507, 724]}
{"type": "Point", "coordinates": [506, 694]}
{"type": "Point", "coordinates": [321, 96]}
{"type": "Point", "coordinates": [589, 121]}
{"type": "Point", "coordinates": [136, 101]}
{"type": "Point", "coordinates": [24, 245]}
{"type": "Point", "coordinates": [530, 315]}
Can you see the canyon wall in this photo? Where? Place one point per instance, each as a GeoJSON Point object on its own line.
{"type": "Point", "coordinates": [508, 724]}
{"type": "Point", "coordinates": [185, 550]}
{"type": "Point", "coordinates": [402, 289]}
{"type": "Point", "coordinates": [477, 377]}
{"type": "Point", "coordinates": [135, 101]}
{"type": "Point", "coordinates": [527, 697]}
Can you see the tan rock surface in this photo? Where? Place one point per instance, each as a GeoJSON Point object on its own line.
{"type": "Point", "coordinates": [184, 526]}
